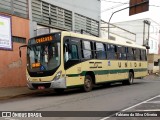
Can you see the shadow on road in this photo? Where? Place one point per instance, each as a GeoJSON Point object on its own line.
{"type": "Point", "coordinates": [52, 93]}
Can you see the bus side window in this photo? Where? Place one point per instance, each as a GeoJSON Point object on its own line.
{"type": "Point", "coordinates": [71, 53]}
{"type": "Point", "coordinates": [143, 55]}
{"type": "Point", "coordinates": [100, 51]}
{"type": "Point", "coordinates": [121, 52]}
{"type": "Point", "coordinates": [66, 57]}
{"type": "Point", "coordinates": [111, 51]}
{"type": "Point", "coordinates": [66, 50]}
{"type": "Point", "coordinates": [86, 49]}
{"type": "Point", "coordinates": [130, 54]}
{"type": "Point", "coordinates": [137, 54]}
{"type": "Point", "coordinates": [74, 52]}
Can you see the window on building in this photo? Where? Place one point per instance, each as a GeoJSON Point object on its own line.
{"type": "Point", "coordinates": [151, 44]}
{"type": "Point", "coordinates": [18, 39]}
{"type": "Point", "coordinates": [156, 46]}
{"type": "Point", "coordinates": [156, 31]}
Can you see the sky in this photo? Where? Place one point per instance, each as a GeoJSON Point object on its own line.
{"type": "Point", "coordinates": [110, 6]}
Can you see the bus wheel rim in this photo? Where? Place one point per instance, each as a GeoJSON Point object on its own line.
{"type": "Point", "coordinates": [87, 84]}
{"type": "Point", "coordinates": [131, 78]}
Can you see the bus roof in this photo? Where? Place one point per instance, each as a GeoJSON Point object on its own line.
{"type": "Point", "coordinates": [115, 42]}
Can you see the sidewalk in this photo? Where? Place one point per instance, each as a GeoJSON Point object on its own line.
{"type": "Point", "coordinates": [7, 93]}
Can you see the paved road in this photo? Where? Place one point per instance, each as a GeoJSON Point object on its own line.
{"type": "Point", "coordinates": [113, 98]}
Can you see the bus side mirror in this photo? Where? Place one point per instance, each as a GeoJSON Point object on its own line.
{"type": "Point", "coordinates": [147, 47]}
{"type": "Point", "coordinates": [20, 53]}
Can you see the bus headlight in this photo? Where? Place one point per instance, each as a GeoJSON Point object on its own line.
{"type": "Point", "coordinates": [28, 79]}
{"type": "Point", "coordinates": [58, 75]}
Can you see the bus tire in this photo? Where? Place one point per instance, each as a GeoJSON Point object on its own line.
{"type": "Point", "coordinates": [88, 83]}
{"type": "Point", "coordinates": [130, 79]}
{"type": "Point", "coordinates": [59, 91]}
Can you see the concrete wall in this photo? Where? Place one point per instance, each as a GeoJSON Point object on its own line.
{"type": "Point", "coordinates": [12, 68]}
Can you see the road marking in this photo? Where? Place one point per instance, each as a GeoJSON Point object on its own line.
{"type": "Point", "coordinates": [105, 118]}
{"type": "Point", "coordinates": [154, 102]}
{"type": "Point", "coordinates": [152, 110]}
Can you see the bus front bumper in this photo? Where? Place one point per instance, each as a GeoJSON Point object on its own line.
{"type": "Point", "coordinates": [60, 83]}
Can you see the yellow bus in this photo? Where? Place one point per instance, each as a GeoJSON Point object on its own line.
{"type": "Point", "coordinates": [67, 59]}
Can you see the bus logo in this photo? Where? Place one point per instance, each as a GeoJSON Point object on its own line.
{"type": "Point", "coordinates": [6, 114]}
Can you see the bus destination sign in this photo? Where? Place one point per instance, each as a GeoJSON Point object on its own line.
{"type": "Point", "coordinates": [44, 39]}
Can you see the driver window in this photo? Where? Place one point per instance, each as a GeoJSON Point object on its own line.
{"type": "Point", "coordinates": [70, 52]}
{"type": "Point", "coordinates": [66, 52]}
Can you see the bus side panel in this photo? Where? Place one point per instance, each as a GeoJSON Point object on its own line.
{"type": "Point", "coordinates": [141, 69]}
{"type": "Point", "coordinates": [112, 71]}
{"type": "Point", "coordinates": [73, 76]}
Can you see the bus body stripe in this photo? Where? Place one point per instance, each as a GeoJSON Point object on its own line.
{"type": "Point", "coordinates": [102, 72]}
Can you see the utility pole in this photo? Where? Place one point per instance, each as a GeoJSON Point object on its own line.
{"type": "Point", "coordinates": [146, 37]}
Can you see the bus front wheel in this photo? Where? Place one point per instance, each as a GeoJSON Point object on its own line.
{"type": "Point", "coordinates": [88, 83]}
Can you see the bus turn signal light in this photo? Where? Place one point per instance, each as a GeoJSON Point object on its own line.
{"type": "Point", "coordinates": [34, 65]}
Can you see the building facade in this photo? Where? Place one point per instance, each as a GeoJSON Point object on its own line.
{"type": "Point", "coordinates": [14, 32]}
{"type": "Point", "coordinates": [71, 15]}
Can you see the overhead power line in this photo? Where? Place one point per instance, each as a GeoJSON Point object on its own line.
{"type": "Point", "coordinates": [115, 2]}
{"type": "Point", "coordinates": [113, 7]}
{"type": "Point", "coordinates": [154, 5]}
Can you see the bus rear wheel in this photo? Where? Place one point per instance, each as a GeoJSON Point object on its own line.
{"type": "Point", "coordinates": [130, 79]}
{"type": "Point", "coordinates": [88, 83]}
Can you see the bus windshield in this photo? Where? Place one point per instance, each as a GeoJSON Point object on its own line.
{"type": "Point", "coordinates": [43, 57]}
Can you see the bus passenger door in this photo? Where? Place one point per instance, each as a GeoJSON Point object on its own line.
{"type": "Point", "coordinates": [72, 62]}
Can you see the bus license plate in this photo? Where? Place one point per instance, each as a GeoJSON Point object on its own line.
{"type": "Point", "coordinates": [41, 87]}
